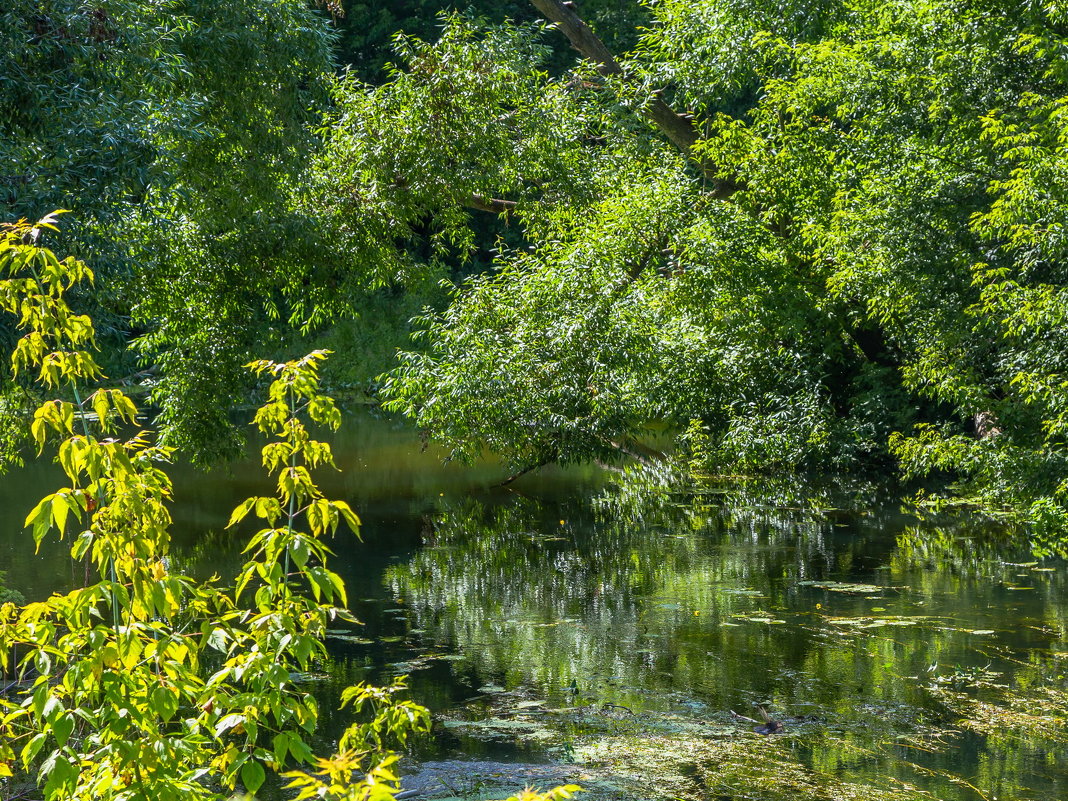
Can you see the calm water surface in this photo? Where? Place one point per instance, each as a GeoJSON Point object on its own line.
{"type": "Point", "coordinates": [562, 589]}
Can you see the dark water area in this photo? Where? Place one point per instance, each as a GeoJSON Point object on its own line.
{"type": "Point", "coordinates": [898, 652]}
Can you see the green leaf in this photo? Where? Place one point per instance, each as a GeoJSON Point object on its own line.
{"type": "Point", "coordinates": [82, 544]}
{"type": "Point", "coordinates": [61, 505]}
{"type": "Point", "coordinates": [61, 776]}
{"type": "Point", "coordinates": [101, 405]}
{"type": "Point", "coordinates": [252, 775]}
{"type": "Point", "coordinates": [227, 723]}
{"type": "Point", "coordinates": [218, 639]}
{"type": "Point", "coordinates": [40, 518]}
{"type": "Point", "coordinates": [350, 516]}
{"type": "Point", "coordinates": [300, 551]}
{"type": "Point", "coordinates": [33, 747]}
{"type": "Point", "coordinates": [164, 702]}
{"type": "Point", "coordinates": [241, 511]}
{"type": "Point", "coordinates": [62, 727]}
{"type": "Point", "coordinates": [280, 744]}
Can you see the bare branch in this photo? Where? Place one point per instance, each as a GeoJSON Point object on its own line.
{"type": "Point", "coordinates": [522, 473]}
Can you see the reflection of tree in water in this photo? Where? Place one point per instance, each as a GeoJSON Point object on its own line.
{"type": "Point", "coordinates": [658, 601]}
{"type": "Point", "coordinates": [670, 602]}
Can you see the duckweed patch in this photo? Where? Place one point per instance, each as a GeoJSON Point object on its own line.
{"type": "Point", "coordinates": [865, 750]}
{"type": "Point", "coordinates": [846, 587]}
{"type": "Point", "coordinates": [866, 622]}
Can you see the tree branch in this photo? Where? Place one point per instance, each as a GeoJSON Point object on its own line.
{"type": "Point", "coordinates": [675, 127]}
{"type": "Point", "coordinates": [521, 473]}
{"type": "Point", "coordinates": [490, 204]}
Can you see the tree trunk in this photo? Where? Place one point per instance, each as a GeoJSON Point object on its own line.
{"type": "Point", "coordinates": [490, 204]}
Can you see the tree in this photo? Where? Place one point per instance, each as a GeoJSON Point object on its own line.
{"type": "Point", "coordinates": [890, 259]}
{"type": "Point", "coordinates": [177, 132]}
{"type": "Point", "coordinates": [367, 30]}
{"type": "Point", "coordinates": [146, 685]}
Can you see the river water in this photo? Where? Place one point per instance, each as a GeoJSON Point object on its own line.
{"type": "Point", "coordinates": [899, 653]}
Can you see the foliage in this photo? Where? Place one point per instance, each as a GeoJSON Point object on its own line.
{"type": "Point", "coordinates": [181, 132]}
{"type": "Point", "coordinates": [145, 684]}
{"type": "Point", "coordinates": [177, 130]}
{"type": "Point", "coordinates": [882, 283]}
{"type": "Point", "coordinates": [366, 31]}
{"type": "Point", "coordinates": [440, 133]}
{"type": "Point", "coordinates": [886, 284]}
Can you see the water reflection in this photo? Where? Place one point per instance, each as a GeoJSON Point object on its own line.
{"type": "Point", "coordinates": [932, 653]}
{"type": "Point", "coordinates": [859, 624]}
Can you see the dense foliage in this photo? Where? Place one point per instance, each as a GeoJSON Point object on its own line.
{"type": "Point", "coordinates": [145, 684]}
{"type": "Point", "coordinates": [805, 234]}
{"type": "Point", "coordinates": [179, 135]}
{"type": "Point", "coordinates": [175, 132]}
{"type": "Point", "coordinates": [881, 279]}
{"type": "Point", "coordinates": [367, 29]}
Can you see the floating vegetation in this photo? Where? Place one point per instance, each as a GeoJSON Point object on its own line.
{"type": "Point", "coordinates": [1041, 713]}
{"type": "Point", "coordinates": [758, 617]}
{"type": "Point", "coordinates": [697, 768]}
{"type": "Point", "coordinates": [349, 638]}
{"type": "Point", "coordinates": [309, 677]}
{"type": "Point", "coordinates": [969, 678]}
{"type": "Point", "coordinates": [477, 780]}
{"type": "Point", "coordinates": [503, 729]}
{"type": "Point", "coordinates": [846, 587]}
{"type": "Point", "coordinates": [879, 622]}
{"type": "Point", "coordinates": [632, 753]}
{"type": "Point", "coordinates": [409, 666]}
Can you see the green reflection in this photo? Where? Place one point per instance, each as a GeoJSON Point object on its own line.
{"type": "Point", "coordinates": [900, 654]}
{"type": "Point", "coordinates": [869, 634]}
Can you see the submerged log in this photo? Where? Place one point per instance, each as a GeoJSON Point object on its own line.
{"type": "Point", "coordinates": [769, 726]}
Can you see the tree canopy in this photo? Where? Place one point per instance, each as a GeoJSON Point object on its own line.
{"type": "Point", "coordinates": [883, 280]}
{"type": "Point", "coordinates": [174, 132]}
{"type": "Point", "coordinates": [811, 234]}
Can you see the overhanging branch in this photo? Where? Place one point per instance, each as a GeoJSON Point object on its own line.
{"type": "Point", "coordinates": [490, 204]}
{"type": "Point", "coordinates": [675, 127]}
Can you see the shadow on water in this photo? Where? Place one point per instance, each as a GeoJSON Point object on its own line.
{"type": "Point", "coordinates": [565, 618]}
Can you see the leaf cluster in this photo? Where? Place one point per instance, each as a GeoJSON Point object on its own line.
{"type": "Point", "coordinates": [145, 684]}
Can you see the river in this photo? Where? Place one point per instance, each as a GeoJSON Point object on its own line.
{"type": "Point", "coordinates": [564, 618]}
